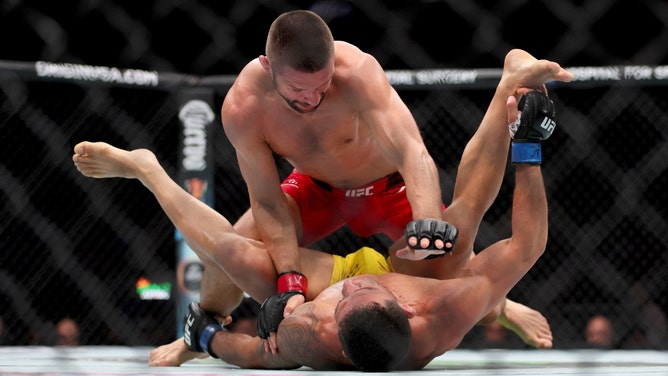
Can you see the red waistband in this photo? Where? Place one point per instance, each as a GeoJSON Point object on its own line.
{"type": "Point", "coordinates": [379, 186]}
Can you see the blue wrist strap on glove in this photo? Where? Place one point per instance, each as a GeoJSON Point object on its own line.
{"type": "Point", "coordinates": [527, 152]}
{"type": "Point", "coordinates": [206, 337]}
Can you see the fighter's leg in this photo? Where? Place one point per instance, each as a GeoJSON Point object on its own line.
{"type": "Point", "coordinates": [207, 232]}
{"type": "Point", "coordinates": [527, 323]}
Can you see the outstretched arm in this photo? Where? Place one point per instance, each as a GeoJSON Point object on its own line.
{"type": "Point", "coordinates": [300, 341]}
{"type": "Point", "coordinates": [491, 274]}
{"type": "Point", "coordinates": [248, 352]}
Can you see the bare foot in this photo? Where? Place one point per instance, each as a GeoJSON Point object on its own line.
{"type": "Point", "coordinates": [525, 71]}
{"type": "Point", "coordinates": [173, 355]}
{"type": "Point", "coordinates": [527, 323]}
{"type": "Point", "coordinates": [101, 160]}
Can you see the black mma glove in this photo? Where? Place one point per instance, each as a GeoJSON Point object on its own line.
{"type": "Point", "coordinates": [432, 229]}
{"type": "Point", "coordinates": [535, 122]}
{"type": "Point", "coordinates": [198, 329]}
{"type": "Point", "coordinates": [271, 311]}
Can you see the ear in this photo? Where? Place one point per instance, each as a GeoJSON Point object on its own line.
{"type": "Point", "coordinates": [264, 61]}
{"type": "Point", "coordinates": [408, 310]}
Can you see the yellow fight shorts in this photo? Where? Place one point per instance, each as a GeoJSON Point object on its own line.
{"type": "Point", "coordinates": [363, 261]}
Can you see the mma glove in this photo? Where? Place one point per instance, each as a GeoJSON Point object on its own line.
{"type": "Point", "coordinates": [432, 229]}
{"type": "Point", "coordinates": [271, 311]}
{"type": "Point", "coordinates": [535, 123]}
{"type": "Point", "coordinates": [199, 328]}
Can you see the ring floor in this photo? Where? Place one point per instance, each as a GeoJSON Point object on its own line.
{"type": "Point", "coordinates": [116, 360]}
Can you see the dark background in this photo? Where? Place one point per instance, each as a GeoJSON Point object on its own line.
{"type": "Point", "coordinates": [72, 246]}
{"type": "Point", "coordinates": [220, 37]}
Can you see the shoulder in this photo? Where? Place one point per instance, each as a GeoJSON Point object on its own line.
{"type": "Point", "coordinates": [242, 100]}
{"type": "Point", "coordinates": [358, 73]}
{"type": "Point", "coordinates": [356, 65]}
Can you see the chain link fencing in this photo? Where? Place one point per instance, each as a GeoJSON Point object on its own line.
{"type": "Point", "coordinates": [85, 248]}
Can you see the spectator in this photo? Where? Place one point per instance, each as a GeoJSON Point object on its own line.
{"type": "Point", "coordinates": [599, 332]}
{"type": "Point", "coordinates": [4, 337]}
{"type": "Point", "coordinates": [652, 320]}
{"type": "Point", "coordinates": [635, 339]}
{"type": "Point", "coordinates": [68, 332]}
{"type": "Point", "coordinates": [495, 336]}
{"type": "Point", "coordinates": [42, 334]}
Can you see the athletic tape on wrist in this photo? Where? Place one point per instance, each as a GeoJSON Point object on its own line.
{"type": "Point", "coordinates": [292, 281]}
{"type": "Point", "coordinates": [206, 337]}
{"type": "Point", "coordinates": [527, 152]}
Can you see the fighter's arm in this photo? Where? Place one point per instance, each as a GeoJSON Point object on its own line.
{"type": "Point", "coordinates": [490, 275]}
{"type": "Point", "coordinates": [297, 341]}
{"type": "Point", "coordinates": [258, 167]}
{"type": "Point", "coordinates": [249, 352]}
{"type": "Point", "coordinates": [396, 132]}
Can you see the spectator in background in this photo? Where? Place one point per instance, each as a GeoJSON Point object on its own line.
{"type": "Point", "coordinates": [599, 332]}
{"type": "Point", "coordinates": [494, 336]}
{"type": "Point", "coordinates": [67, 331]}
{"type": "Point", "coordinates": [652, 321]}
{"type": "Point", "coordinates": [497, 336]}
{"type": "Point", "coordinates": [42, 334]}
{"type": "Point", "coordinates": [4, 335]}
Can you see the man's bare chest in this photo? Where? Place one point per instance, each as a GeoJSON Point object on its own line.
{"type": "Point", "coordinates": [300, 138]}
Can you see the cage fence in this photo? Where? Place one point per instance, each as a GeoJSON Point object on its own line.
{"type": "Point", "coordinates": [84, 248]}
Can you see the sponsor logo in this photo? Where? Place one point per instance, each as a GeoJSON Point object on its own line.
{"type": "Point", "coordinates": [148, 290]}
{"type": "Point", "coordinates": [96, 73]}
{"type": "Point", "coordinates": [195, 116]}
{"type": "Point", "coordinates": [359, 192]}
{"type": "Point", "coordinates": [192, 275]}
{"type": "Point", "coordinates": [548, 124]}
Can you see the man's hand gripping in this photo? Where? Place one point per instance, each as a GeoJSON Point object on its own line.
{"type": "Point", "coordinates": [199, 328]}
{"type": "Point", "coordinates": [292, 287]}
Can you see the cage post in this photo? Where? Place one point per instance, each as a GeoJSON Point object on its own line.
{"type": "Point", "coordinates": [196, 175]}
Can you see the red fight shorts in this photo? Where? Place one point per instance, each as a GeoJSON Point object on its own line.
{"type": "Point", "coordinates": [380, 207]}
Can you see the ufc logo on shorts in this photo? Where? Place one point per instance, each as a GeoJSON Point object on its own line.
{"type": "Point", "coordinates": [359, 192]}
{"type": "Point", "coordinates": [548, 124]}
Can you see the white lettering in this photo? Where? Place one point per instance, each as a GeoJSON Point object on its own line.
{"type": "Point", "coordinates": [195, 115]}
{"type": "Point", "coordinates": [96, 73]}
{"type": "Point", "coordinates": [638, 72]}
{"type": "Point", "coordinates": [446, 76]}
{"type": "Point", "coordinates": [402, 77]}
{"type": "Point", "coordinates": [548, 124]}
{"type": "Point", "coordinates": [595, 73]}
{"type": "Point", "coordinates": [186, 333]}
{"type": "Point", "coordinates": [432, 77]}
{"type": "Point", "coordinates": [661, 72]}
{"type": "Point", "coordinates": [360, 192]}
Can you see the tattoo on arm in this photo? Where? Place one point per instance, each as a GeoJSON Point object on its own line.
{"type": "Point", "coordinates": [297, 337]}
